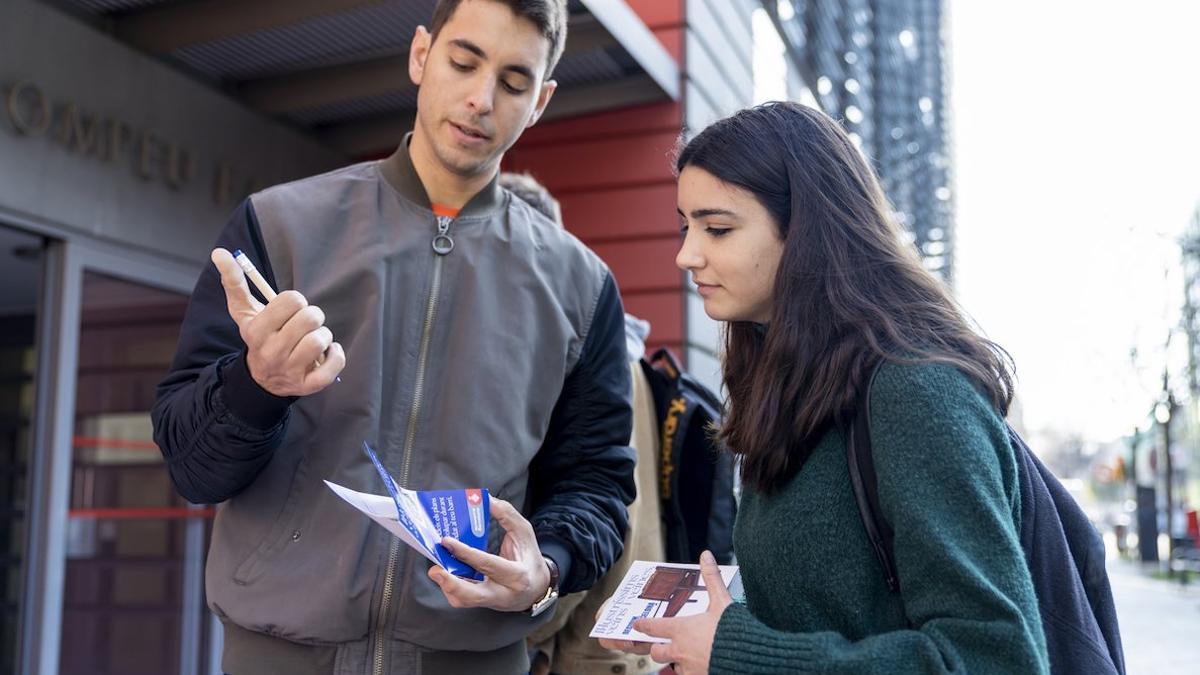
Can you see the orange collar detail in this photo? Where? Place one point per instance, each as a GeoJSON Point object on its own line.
{"type": "Point", "coordinates": [445, 211]}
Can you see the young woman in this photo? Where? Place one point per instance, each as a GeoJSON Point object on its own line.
{"type": "Point", "coordinates": [791, 242]}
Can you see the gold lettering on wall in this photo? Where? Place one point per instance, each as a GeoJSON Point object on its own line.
{"type": "Point", "coordinates": [152, 157]}
{"type": "Point", "coordinates": [179, 166]}
{"type": "Point", "coordinates": [230, 186]}
{"type": "Point", "coordinates": [23, 101]}
{"type": "Point", "coordinates": [78, 131]}
{"type": "Point", "coordinates": [118, 133]}
{"type": "Point", "coordinates": [223, 183]}
{"type": "Point", "coordinates": [147, 143]}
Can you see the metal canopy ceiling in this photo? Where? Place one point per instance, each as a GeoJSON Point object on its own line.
{"type": "Point", "coordinates": [337, 69]}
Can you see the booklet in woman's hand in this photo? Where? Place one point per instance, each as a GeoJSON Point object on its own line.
{"type": "Point", "coordinates": [420, 518]}
{"type": "Point", "coordinates": [655, 589]}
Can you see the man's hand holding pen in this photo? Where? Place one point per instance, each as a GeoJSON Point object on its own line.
{"type": "Point", "coordinates": [290, 351]}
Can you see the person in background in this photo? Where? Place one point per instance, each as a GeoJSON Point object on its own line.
{"type": "Point", "coordinates": [791, 242]}
{"type": "Point", "coordinates": [562, 646]}
{"type": "Point", "coordinates": [533, 193]}
{"type": "Point", "coordinates": [484, 347]}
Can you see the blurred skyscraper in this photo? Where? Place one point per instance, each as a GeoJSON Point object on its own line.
{"type": "Point", "coordinates": [1189, 427]}
{"type": "Point", "coordinates": [882, 67]}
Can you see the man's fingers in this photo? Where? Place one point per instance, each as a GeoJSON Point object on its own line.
{"type": "Point", "coordinates": [242, 305]}
{"type": "Point", "coordinates": [281, 310]}
{"type": "Point", "coordinates": [267, 329]}
{"type": "Point", "coordinates": [459, 593]}
{"type": "Point", "coordinates": [718, 592]}
{"type": "Point", "coordinates": [323, 375]}
{"type": "Point", "coordinates": [503, 572]}
{"type": "Point", "coordinates": [309, 349]}
{"type": "Point", "coordinates": [511, 520]}
{"type": "Point", "coordinates": [286, 337]}
{"type": "Point", "coordinates": [302, 322]}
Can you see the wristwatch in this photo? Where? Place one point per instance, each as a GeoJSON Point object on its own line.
{"type": "Point", "coordinates": [551, 595]}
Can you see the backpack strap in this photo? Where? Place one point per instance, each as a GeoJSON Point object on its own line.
{"type": "Point", "coordinates": [674, 413]}
{"type": "Point", "coordinates": [663, 360]}
{"type": "Point", "coordinates": [861, 462]}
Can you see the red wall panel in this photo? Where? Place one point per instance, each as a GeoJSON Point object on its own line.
{"type": "Point", "coordinates": [665, 18]}
{"type": "Point", "coordinates": [641, 119]}
{"type": "Point", "coordinates": [643, 265]}
{"type": "Point", "coordinates": [655, 13]}
{"type": "Point", "coordinates": [664, 311]}
{"type": "Point", "coordinates": [631, 212]}
{"type": "Point", "coordinates": [671, 38]}
{"type": "Point", "coordinates": [619, 160]}
{"type": "Point", "coordinates": [612, 172]}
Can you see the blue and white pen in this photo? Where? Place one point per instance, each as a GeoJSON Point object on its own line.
{"type": "Point", "coordinates": [263, 287]}
{"type": "Point", "coordinates": [254, 275]}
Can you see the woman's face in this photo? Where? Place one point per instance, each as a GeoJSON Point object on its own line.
{"type": "Point", "coordinates": [731, 247]}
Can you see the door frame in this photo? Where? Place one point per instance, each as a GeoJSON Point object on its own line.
{"type": "Point", "coordinates": [58, 331]}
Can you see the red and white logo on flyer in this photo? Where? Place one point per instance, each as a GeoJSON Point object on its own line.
{"type": "Point", "coordinates": [475, 511]}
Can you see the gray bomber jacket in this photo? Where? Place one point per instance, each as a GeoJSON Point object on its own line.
{"type": "Point", "coordinates": [500, 364]}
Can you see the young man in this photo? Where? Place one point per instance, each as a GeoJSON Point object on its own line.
{"type": "Point", "coordinates": [483, 347]}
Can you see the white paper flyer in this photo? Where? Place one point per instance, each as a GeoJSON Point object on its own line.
{"type": "Point", "coordinates": [655, 589]}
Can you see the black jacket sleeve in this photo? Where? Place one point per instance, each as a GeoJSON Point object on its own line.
{"type": "Point", "coordinates": [215, 425]}
{"type": "Point", "coordinates": [582, 478]}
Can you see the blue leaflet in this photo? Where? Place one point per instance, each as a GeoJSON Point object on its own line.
{"type": "Point", "coordinates": [383, 473]}
{"type": "Point", "coordinates": [401, 512]}
{"type": "Point", "coordinates": [461, 514]}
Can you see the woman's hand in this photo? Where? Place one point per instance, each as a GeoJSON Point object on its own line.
{"type": "Point", "coordinates": [691, 637]}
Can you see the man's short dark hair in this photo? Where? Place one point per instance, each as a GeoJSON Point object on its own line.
{"type": "Point", "coordinates": [530, 191]}
{"type": "Point", "coordinates": [550, 17]}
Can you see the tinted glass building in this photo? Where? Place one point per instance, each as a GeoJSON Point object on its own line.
{"type": "Point", "coordinates": [881, 66]}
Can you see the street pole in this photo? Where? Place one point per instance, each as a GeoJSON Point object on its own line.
{"type": "Point", "coordinates": [1169, 467]}
{"type": "Point", "coordinates": [1167, 411]}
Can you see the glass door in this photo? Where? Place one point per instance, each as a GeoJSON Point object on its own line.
{"type": "Point", "coordinates": [127, 543]}
{"type": "Point", "coordinates": [115, 578]}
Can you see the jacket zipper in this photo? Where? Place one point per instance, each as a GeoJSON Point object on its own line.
{"type": "Point", "coordinates": [442, 245]}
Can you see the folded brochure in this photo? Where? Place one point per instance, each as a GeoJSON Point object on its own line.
{"type": "Point", "coordinates": [655, 589]}
{"type": "Point", "coordinates": [420, 518]}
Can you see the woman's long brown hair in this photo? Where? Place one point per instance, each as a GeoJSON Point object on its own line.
{"type": "Point", "coordinates": [849, 290]}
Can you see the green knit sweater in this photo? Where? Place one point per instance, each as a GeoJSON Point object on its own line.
{"type": "Point", "coordinates": [816, 601]}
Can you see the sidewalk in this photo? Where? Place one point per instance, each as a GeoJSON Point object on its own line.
{"type": "Point", "coordinates": [1160, 621]}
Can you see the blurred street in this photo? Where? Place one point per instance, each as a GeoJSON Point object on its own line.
{"type": "Point", "coordinates": [1158, 621]}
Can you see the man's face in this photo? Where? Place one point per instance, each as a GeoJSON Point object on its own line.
{"type": "Point", "coordinates": [481, 84]}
